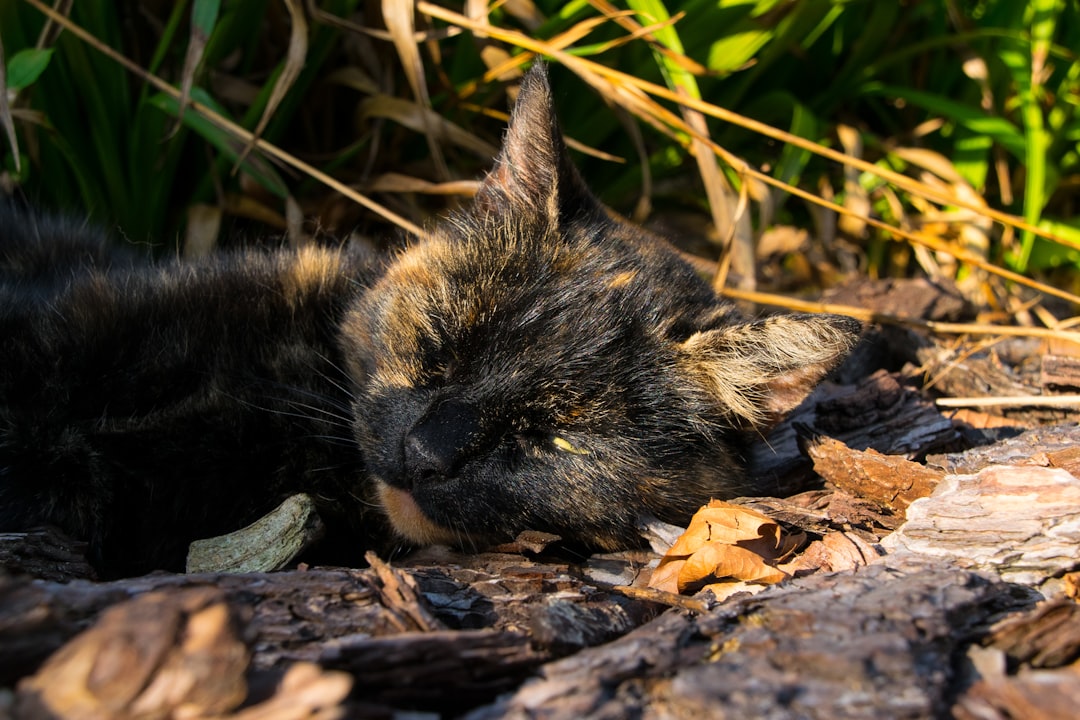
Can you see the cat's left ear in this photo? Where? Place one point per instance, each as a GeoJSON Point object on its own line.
{"type": "Point", "coordinates": [533, 173]}
{"type": "Point", "coordinates": [761, 370]}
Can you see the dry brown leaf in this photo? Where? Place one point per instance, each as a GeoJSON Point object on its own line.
{"type": "Point", "coordinates": [1068, 460]}
{"type": "Point", "coordinates": [1071, 585]}
{"type": "Point", "coordinates": [526, 13]}
{"type": "Point", "coordinates": [935, 162]}
{"type": "Point", "coordinates": [399, 17]}
{"type": "Point", "coordinates": [203, 227]}
{"type": "Point", "coordinates": [294, 223]}
{"type": "Point", "coordinates": [724, 541]}
{"type": "Point", "coordinates": [782, 240]}
{"type": "Point", "coordinates": [981, 420]}
{"type": "Point", "coordinates": [723, 590]}
{"type": "Point", "coordinates": [719, 560]}
{"type": "Point", "coordinates": [1060, 345]}
{"type": "Point", "coordinates": [720, 522]}
{"type": "Point", "coordinates": [836, 551]}
{"type": "Point", "coordinates": [249, 207]}
{"type": "Point", "coordinates": [353, 77]}
{"type": "Point", "coordinates": [306, 692]}
{"type": "Point", "coordinates": [423, 119]}
{"type": "Point", "coordinates": [397, 182]}
{"type": "Point", "coordinates": [855, 197]}
{"type": "Point", "coordinates": [666, 576]}
{"type": "Point", "coordinates": [295, 56]}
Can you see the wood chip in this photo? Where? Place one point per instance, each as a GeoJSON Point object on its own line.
{"type": "Point", "coordinates": [891, 481]}
{"type": "Point", "coordinates": [1060, 372]}
{"type": "Point", "coordinates": [145, 658]}
{"type": "Point", "coordinates": [1047, 636]}
{"type": "Point", "coordinates": [268, 544]}
{"type": "Point", "coordinates": [1022, 522]}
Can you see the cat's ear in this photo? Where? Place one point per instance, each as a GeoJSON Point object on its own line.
{"type": "Point", "coordinates": [761, 370]}
{"type": "Point", "coordinates": [533, 172]}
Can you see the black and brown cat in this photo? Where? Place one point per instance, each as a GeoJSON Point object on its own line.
{"type": "Point", "coordinates": [531, 364]}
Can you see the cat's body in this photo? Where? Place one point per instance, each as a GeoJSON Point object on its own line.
{"type": "Point", "coordinates": [533, 364]}
{"type": "Point", "coordinates": [147, 406]}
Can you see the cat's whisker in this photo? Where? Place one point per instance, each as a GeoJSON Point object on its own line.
{"type": "Point", "coordinates": [341, 440]}
{"type": "Point", "coordinates": [338, 419]}
{"type": "Point", "coordinates": [341, 384]}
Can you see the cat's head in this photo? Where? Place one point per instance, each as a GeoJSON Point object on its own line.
{"type": "Point", "coordinates": [535, 364]}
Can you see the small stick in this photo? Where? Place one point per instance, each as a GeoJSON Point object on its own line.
{"type": "Point", "coordinates": [664, 598]}
{"type": "Point", "coordinates": [1011, 401]}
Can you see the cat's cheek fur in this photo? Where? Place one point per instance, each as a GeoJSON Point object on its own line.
{"type": "Point", "coordinates": [409, 521]}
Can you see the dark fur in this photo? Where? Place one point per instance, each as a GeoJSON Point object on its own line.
{"type": "Point", "coordinates": [146, 407]}
{"type": "Point", "coordinates": [532, 364]}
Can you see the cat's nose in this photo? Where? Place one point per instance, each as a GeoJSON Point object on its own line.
{"type": "Point", "coordinates": [442, 441]}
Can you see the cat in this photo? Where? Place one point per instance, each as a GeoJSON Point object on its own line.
{"type": "Point", "coordinates": [532, 363]}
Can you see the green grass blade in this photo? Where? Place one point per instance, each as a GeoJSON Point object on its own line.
{"type": "Point", "coordinates": [973, 118]}
{"type": "Point", "coordinates": [257, 167]}
{"type": "Point", "coordinates": [1026, 70]}
{"type": "Point", "coordinates": [676, 76]}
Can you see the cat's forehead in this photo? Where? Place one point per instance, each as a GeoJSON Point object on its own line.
{"type": "Point", "coordinates": [517, 284]}
{"type": "Point", "coordinates": [502, 256]}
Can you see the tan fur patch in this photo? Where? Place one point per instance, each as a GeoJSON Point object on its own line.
{"type": "Point", "coordinates": [422, 264]}
{"type": "Point", "coordinates": [311, 268]}
{"type": "Point", "coordinates": [622, 279]}
{"type": "Point", "coordinates": [415, 268]}
{"type": "Point", "coordinates": [565, 260]}
{"type": "Point", "coordinates": [409, 520]}
{"type": "Point", "coordinates": [393, 378]}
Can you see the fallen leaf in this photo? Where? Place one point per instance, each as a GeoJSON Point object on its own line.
{"type": "Point", "coordinates": [724, 523]}
{"type": "Point", "coordinates": [666, 576]}
{"type": "Point", "coordinates": [203, 227]}
{"type": "Point", "coordinates": [1071, 585]}
{"type": "Point", "coordinates": [725, 541]}
{"type": "Point", "coordinates": [720, 560]}
{"type": "Point", "coordinates": [836, 551]}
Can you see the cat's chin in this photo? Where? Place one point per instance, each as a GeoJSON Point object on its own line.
{"type": "Point", "coordinates": [409, 520]}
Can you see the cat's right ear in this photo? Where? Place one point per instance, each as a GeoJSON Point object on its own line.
{"type": "Point", "coordinates": [533, 173]}
{"type": "Point", "coordinates": [759, 371]}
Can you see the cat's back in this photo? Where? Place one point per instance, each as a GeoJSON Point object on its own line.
{"type": "Point", "coordinates": [41, 253]}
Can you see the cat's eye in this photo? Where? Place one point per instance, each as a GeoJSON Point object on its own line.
{"type": "Point", "coordinates": [438, 370]}
{"type": "Point", "coordinates": [565, 445]}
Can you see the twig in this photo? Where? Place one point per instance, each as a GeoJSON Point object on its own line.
{"type": "Point", "coordinates": [1011, 401]}
{"type": "Point", "coordinates": [663, 598]}
{"type": "Point", "coordinates": [858, 313]}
